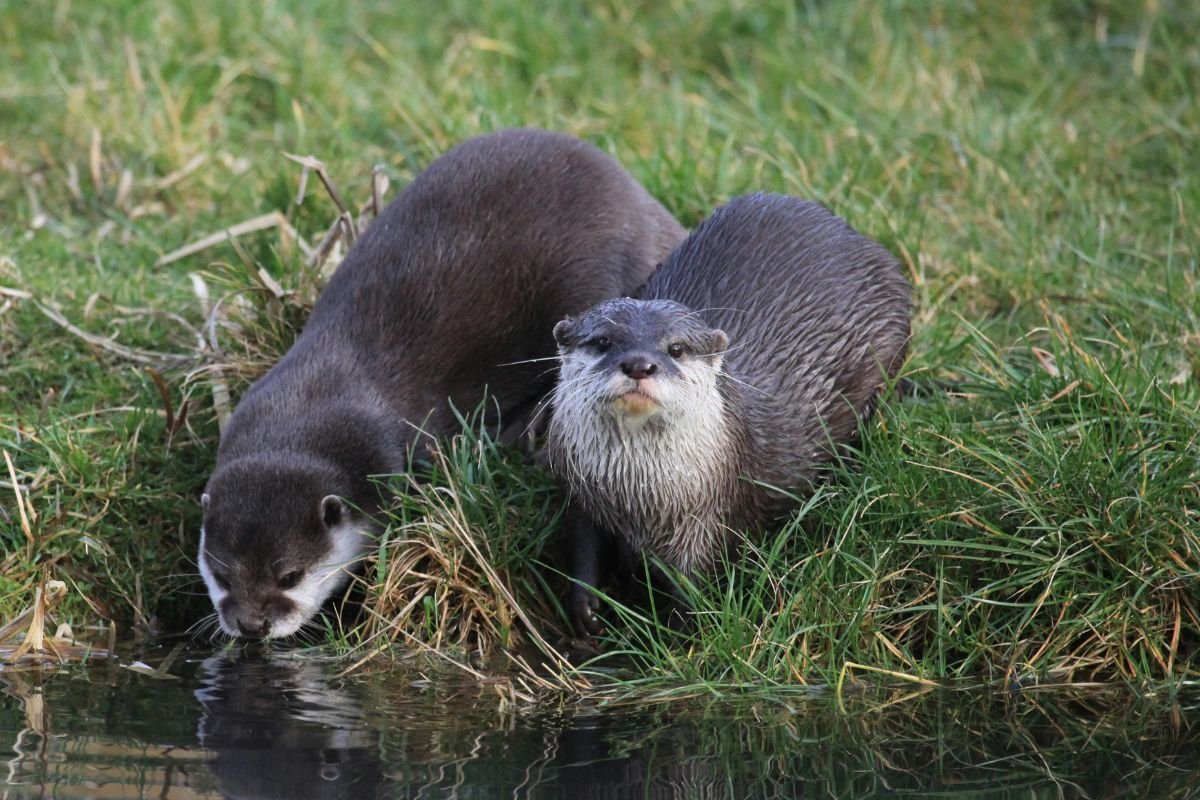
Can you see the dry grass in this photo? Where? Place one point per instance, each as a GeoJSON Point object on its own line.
{"type": "Point", "coordinates": [24, 641]}
{"type": "Point", "coordinates": [461, 568]}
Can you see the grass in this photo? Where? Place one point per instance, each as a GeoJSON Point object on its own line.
{"type": "Point", "coordinates": [1032, 164]}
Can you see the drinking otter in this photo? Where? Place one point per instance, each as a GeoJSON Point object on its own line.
{"type": "Point", "coordinates": [451, 292]}
{"type": "Point", "coordinates": [754, 351]}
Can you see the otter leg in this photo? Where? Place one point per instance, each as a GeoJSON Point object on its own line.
{"type": "Point", "coordinates": [587, 548]}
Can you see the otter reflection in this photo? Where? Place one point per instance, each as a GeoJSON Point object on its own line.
{"type": "Point", "coordinates": [281, 727]}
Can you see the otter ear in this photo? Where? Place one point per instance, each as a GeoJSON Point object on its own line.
{"type": "Point", "coordinates": [718, 342]}
{"type": "Point", "coordinates": [333, 510]}
{"type": "Point", "coordinates": [564, 333]}
{"type": "Point", "coordinates": [204, 501]}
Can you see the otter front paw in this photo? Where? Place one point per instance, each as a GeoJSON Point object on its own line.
{"type": "Point", "coordinates": [583, 607]}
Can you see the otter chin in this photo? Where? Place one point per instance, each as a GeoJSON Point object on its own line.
{"type": "Point", "coordinates": [635, 403]}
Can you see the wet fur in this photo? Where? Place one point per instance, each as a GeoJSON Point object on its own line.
{"type": "Point", "coordinates": [634, 461]}
{"type": "Point", "coordinates": [816, 318]}
{"type": "Point", "coordinates": [454, 286]}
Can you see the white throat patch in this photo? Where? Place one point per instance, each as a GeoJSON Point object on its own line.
{"type": "Point", "coordinates": [215, 592]}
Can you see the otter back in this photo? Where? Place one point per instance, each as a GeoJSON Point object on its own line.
{"type": "Point", "coordinates": [817, 317]}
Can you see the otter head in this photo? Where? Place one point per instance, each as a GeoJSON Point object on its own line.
{"type": "Point", "coordinates": [277, 541]}
{"type": "Point", "coordinates": [637, 361]}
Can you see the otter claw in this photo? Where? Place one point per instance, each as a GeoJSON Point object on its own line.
{"type": "Point", "coordinates": [588, 623]}
{"type": "Point", "coordinates": [583, 613]}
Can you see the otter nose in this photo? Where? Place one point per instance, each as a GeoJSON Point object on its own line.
{"type": "Point", "coordinates": [254, 630]}
{"type": "Point", "coordinates": [638, 367]}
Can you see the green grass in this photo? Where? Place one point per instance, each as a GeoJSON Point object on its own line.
{"type": "Point", "coordinates": [1033, 165]}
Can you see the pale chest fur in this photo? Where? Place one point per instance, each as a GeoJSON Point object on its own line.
{"type": "Point", "coordinates": [661, 483]}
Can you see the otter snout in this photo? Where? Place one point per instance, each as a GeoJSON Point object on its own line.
{"type": "Point", "coordinates": [258, 613]}
{"type": "Point", "coordinates": [637, 388]}
{"type": "Point", "coordinates": [251, 627]}
{"type": "Point", "coordinates": [638, 366]}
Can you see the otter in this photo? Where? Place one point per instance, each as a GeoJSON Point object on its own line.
{"type": "Point", "coordinates": [449, 295]}
{"type": "Point", "coordinates": [750, 356]}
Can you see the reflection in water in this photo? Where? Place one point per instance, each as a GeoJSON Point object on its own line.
{"type": "Point", "coordinates": [283, 725]}
{"type": "Point", "coordinates": [283, 728]}
{"type": "Point", "coordinates": [90, 732]}
{"type": "Point", "coordinates": [953, 745]}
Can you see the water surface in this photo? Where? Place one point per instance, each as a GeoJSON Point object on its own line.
{"type": "Point", "coordinates": [283, 724]}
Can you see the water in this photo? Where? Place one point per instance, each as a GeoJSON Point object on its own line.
{"type": "Point", "coordinates": [285, 725]}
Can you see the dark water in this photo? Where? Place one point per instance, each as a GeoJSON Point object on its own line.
{"type": "Point", "coordinates": [285, 725]}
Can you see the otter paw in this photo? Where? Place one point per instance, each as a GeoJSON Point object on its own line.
{"type": "Point", "coordinates": [583, 609]}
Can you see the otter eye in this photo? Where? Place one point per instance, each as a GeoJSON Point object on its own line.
{"type": "Point", "coordinates": [291, 579]}
{"type": "Point", "coordinates": [601, 343]}
{"type": "Point", "coordinates": [675, 350]}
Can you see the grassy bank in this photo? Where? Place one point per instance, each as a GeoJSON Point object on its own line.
{"type": "Point", "coordinates": [1033, 166]}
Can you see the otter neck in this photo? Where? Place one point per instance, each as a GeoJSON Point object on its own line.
{"type": "Point", "coordinates": [662, 482]}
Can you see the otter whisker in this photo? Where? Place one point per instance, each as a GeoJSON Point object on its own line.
{"type": "Point", "coordinates": [534, 416]}
{"type": "Point", "coordinates": [205, 628]}
{"type": "Point", "coordinates": [546, 372]}
{"type": "Point", "coordinates": [306, 633]}
{"type": "Point", "coordinates": [737, 380]}
{"type": "Point", "coordinates": [217, 560]}
{"type": "Point", "coordinates": [542, 404]}
{"type": "Point", "coordinates": [527, 361]}
{"type": "Point", "coordinates": [198, 623]}
{"type": "Point", "coordinates": [699, 311]}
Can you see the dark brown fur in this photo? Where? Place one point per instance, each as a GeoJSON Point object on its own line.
{"type": "Point", "coordinates": [452, 291]}
{"type": "Point", "coordinates": [788, 324]}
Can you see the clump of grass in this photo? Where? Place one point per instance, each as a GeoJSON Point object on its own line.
{"type": "Point", "coordinates": [462, 564]}
{"type": "Point", "coordinates": [257, 312]}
